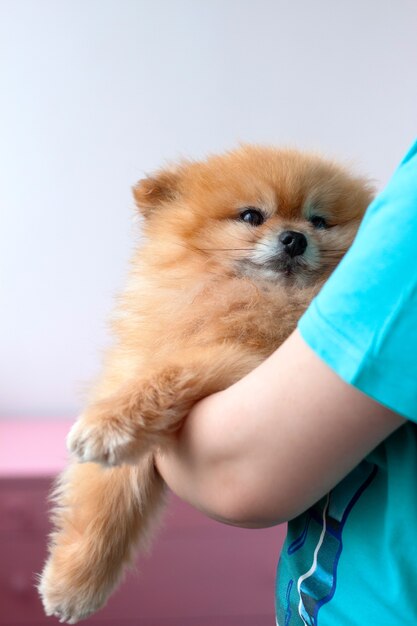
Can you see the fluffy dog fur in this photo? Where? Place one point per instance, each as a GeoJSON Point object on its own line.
{"type": "Point", "coordinates": [213, 290]}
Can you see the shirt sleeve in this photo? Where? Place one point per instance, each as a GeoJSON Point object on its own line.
{"type": "Point", "coordinates": [363, 323]}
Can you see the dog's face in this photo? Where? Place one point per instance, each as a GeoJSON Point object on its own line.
{"type": "Point", "coordinates": [279, 216]}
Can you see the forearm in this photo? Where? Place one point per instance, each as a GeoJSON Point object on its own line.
{"type": "Point", "coordinates": [271, 445]}
{"type": "Point", "coordinates": [205, 465]}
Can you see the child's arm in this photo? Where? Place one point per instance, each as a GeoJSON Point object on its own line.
{"type": "Point", "coordinates": [271, 445]}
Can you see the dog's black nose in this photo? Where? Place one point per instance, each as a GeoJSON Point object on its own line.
{"type": "Point", "coordinates": [294, 243]}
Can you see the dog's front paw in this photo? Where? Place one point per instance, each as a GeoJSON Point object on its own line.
{"type": "Point", "coordinates": [109, 441]}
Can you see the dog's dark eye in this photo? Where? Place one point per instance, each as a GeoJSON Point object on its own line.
{"type": "Point", "coordinates": [252, 216]}
{"type": "Point", "coordinates": [318, 221]}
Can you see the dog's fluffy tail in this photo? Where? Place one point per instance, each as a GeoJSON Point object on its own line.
{"type": "Point", "coordinates": [100, 515]}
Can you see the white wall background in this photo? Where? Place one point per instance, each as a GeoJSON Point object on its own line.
{"type": "Point", "coordinates": [94, 93]}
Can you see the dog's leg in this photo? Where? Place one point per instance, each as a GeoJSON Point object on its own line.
{"type": "Point", "coordinates": [100, 515]}
{"type": "Point", "coordinates": [144, 414]}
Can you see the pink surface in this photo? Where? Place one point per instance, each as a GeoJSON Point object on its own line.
{"type": "Point", "coordinates": [199, 572]}
{"type": "Point", "coordinates": [33, 448]}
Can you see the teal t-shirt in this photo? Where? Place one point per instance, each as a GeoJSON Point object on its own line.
{"type": "Point", "coordinates": [351, 560]}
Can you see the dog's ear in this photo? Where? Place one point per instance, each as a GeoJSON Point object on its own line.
{"type": "Point", "coordinates": [154, 191]}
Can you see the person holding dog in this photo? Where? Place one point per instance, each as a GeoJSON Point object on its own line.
{"type": "Point", "coordinates": [323, 435]}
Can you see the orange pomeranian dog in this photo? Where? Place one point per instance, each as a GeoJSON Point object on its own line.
{"type": "Point", "coordinates": [234, 249]}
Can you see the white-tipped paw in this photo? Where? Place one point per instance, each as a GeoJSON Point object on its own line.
{"type": "Point", "coordinates": [106, 441]}
{"type": "Point", "coordinates": [62, 599]}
